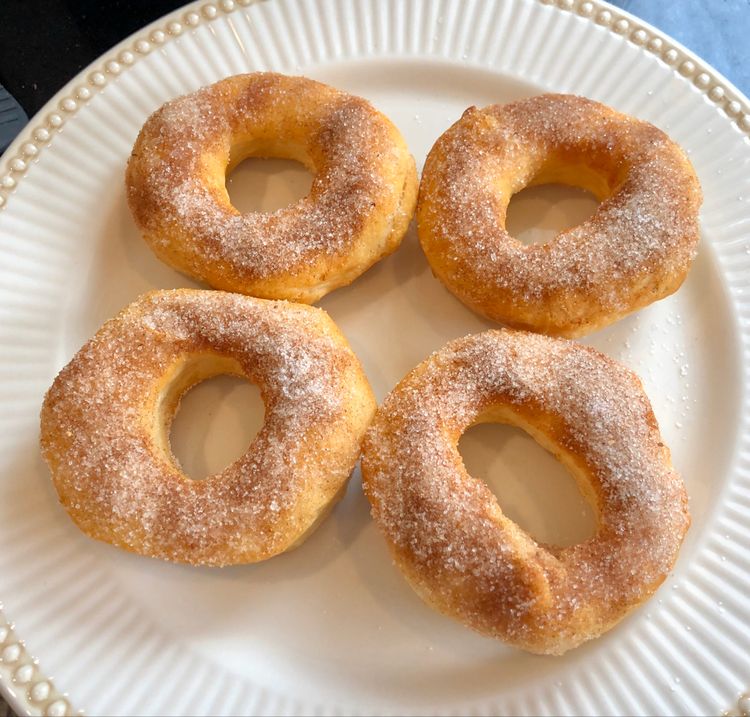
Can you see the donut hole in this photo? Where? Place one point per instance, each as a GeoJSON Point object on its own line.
{"type": "Point", "coordinates": [265, 185]}
{"type": "Point", "coordinates": [533, 488]}
{"type": "Point", "coordinates": [210, 417]}
{"type": "Point", "coordinates": [539, 212]}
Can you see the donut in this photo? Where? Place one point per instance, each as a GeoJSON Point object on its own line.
{"type": "Point", "coordinates": [361, 202]}
{"type": "Point", "coordinates": [635, 249]}
{"type": "Point", "coordinates": [105, 427]}
{"type": "Point", "coordinates": [447, 532]}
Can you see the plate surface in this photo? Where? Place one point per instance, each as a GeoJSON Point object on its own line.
{"type": "Point", "coordinates": [332, 627]}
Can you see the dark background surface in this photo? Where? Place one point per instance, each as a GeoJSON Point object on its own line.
{"type": "Point", "coordinates": [44, 43]}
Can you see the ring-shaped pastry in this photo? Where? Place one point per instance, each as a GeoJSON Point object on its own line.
{"type": "Point", "coordinates": [636, 248]}
{"type": "Point", "coordinates": [359, 206]}
{"type": "Point", "coordinates": [105, 427]}
{"type": "Point", "coordinates": [446, 530]}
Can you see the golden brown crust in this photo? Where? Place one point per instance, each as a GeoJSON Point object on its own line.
{"type": "Point", "coordinates": [635, 249]}
{"type": "Point", "coordinates": [448, 534]}
{"type": "Point", "coordinates": [105, 426]}
{"type": "Point", "coordinates": [359, 207]}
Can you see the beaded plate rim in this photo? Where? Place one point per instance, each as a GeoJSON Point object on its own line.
{"type": "Point", "coordinates": [22, 683]}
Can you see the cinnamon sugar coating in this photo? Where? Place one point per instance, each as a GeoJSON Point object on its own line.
{"type": "Point", "coordinates": [635, 249]}
{"type": "Point", "coordinates": [359, 207]}
{"type": "Point", "coordinates": [105, 427]}
{"type": "Point", "coordinates": [446, 530]}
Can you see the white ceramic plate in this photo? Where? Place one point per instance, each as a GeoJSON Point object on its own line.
{"type": "Point", "coordinates": [332, 627]}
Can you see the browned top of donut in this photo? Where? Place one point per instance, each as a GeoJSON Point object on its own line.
{"type": "Point", "coordinates": [647, 221]}
{"type": "Point", "coordinates": [447, 529]}
{"type": "Point", "coordinates": [99, 437]}
{"type": "Point", "coordinates": [176, 173]}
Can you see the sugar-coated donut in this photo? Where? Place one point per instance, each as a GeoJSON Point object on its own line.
{"type": "Point", "coordinates": [448, 534]}
{"type": "Point", "coordinates": [635, 249]}
{"type": "Point", "coordinates": [105, 427]}
{"type": "Point", "coordinates": [360, 204]}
